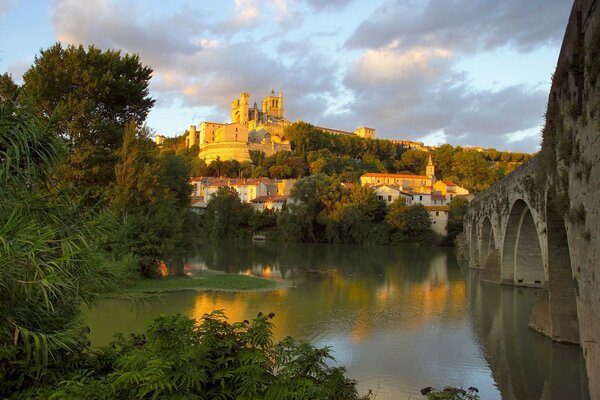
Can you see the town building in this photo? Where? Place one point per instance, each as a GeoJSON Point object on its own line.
{"type": "Point", "coordinates": [417, 189]}
{"type": "Point", "coordinates": [262, 193]}
{"type": "Point", "coordinates": [269, 203]}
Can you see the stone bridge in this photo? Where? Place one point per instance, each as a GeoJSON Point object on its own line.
{"type": "Point", "coordinates": [540, 226]}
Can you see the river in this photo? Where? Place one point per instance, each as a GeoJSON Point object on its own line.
{"type": "Point", "coordinates": [399, 318]}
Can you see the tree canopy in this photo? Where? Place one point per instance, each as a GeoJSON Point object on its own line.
{"type": "Point", "coordinates": [94, 94]}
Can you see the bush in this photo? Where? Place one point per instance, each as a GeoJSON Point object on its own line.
{"type": "Point", "coordinates": [177, 358]}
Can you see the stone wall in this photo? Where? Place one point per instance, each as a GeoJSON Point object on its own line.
{"type": "Point", "coordinates": [548, 211]}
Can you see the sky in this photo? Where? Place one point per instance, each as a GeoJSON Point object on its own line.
{"type": "Point", "coordinates": [464, 72]}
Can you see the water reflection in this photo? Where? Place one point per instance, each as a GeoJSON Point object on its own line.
{"type": "Point", "coordinates": [399, 318]}
{"type": "Point", "coordinates": [525, 365]}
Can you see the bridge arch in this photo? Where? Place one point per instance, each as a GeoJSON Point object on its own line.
{"type": "Point", "coordinates": [522, 261]}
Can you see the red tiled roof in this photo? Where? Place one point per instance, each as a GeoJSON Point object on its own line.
{"type": "Point", "coordinates": [403, 176]}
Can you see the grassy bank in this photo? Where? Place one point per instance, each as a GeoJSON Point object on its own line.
{"type": "Point", "coordinates": [212, 281]}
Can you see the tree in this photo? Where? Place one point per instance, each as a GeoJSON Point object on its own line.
{"type": "Point", "coordinates": [472, 170]}
{"type": "Point", "coordinates": [417, 223]}
{"type": "Point", "coordinates": [413, 161]}
{"type": "Point", "coordinates": [395, 214]}
{"type": "Point", "coordinates": [150, 195]}
{"type": "Point", "coordinates": [95, 93]}
{"type": "Point", "coordinates": [411, 224]}
{"type": "Point", "coordinates": [456, 214]}
{"type": "Point", "coordinates": [8, 87]}
{"type": "Point", "coordinates": [314, 199]}
{"type": "Point", "coordinates": [367, 202]}
{"type": "Point", "coordinates": [226, 214]}
{"type": "Point", "coordinates": [443, 159]}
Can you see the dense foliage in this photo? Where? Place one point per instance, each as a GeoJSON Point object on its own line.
{"type": "Point", "coordinates": [456, 214]}
{"type": "Point", "coordinates": [320, 209]}
{"type": "Point", "coordinates": [49, 255]}
{"type": "Point", "coordinates": [179, 359]}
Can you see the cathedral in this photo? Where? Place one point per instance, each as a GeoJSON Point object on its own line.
{"type": "Point", "coordinates": [251, 128]}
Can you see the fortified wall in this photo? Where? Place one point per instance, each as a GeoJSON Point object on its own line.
{"type": "Point", "coordinates": [540, 226]}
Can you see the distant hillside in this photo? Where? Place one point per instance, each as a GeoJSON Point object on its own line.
{"type": "Point", "coordinates": [347, 157]}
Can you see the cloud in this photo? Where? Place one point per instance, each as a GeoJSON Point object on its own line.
{"type": "Point", "coordinates": [396, 72]}
{"type": "Point", "coordinates": [414, 107]}
{"type": "Point", "coordinates": [197, 70]}
{"type": "Point", "coordinates": [245, 16]}
{"type": "Point", "coordinates": [380, 66]}
{"type": "Point", "coordinates": [6, 6]}
{"type": "Point", "coordinates": [110, 24]}
{"type": "Point", "coordinates": [320, 5]}
{"type": "Point", "coordinates": [466, 25]}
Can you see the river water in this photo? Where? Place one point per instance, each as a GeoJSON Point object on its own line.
{"type": "Point", "coordinates": [398, 318]}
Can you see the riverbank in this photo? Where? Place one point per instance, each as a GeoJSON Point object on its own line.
{"type": "Point", "coordinates": [211, 281]}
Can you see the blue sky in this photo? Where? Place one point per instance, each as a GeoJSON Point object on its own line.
{"type": "Point", "coordinates": [464, 72]}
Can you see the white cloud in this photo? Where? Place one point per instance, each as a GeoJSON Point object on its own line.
{"type": "Point", "coordinates": [6, 6]}
{"type": "Point", "coordinates": [469, 25]}
{"type": "Point", "coordinates": [389, 64]}
{"type": "Point", "coordinates": [397, 72]}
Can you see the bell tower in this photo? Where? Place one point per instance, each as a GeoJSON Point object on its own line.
{"type": "Point", "coordinates": [430, 170]}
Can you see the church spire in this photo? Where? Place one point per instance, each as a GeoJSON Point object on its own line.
{"type": "Point", "coordinates": [430, 169]}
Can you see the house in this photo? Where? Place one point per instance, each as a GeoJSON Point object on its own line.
{"type": "Point", "coordinates": [247, 189]}
{"type": "Point", "coordinates": [197, 205]}
{"type": "Point", "coordinates": [268, 203]}
{"type": "Point", "coordinates": [387, 193]}
{"type": "Point", "coordinates": [439, 218]}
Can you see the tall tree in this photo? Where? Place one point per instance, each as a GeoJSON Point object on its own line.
{"type": "Point", "coordinates": [95, 93]}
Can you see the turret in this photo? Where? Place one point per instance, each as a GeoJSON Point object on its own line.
{"type": "Point", "coordinates": [280, 113]}
{"type": "Point", "coordinates": [192, 137]}
{"type": "Point", "coordinates": [235, 105]}
{"type": "Point", "coordinates": [244, 107]}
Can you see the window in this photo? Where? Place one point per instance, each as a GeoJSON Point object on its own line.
{"type": "Point", "coordinates": [389, 198]}
{"type": "Point", "coordinates": [380, 197]}
{"type": "Point", "coordinates": [437, 213]}
{"type": "Point", "coordinates": [420, 198]}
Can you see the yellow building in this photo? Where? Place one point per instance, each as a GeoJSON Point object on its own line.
{"type": "Point", "coordinates": [251, 128]}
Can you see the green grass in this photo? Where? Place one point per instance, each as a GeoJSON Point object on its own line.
{"type": "Point", "coordinates": [213, 281]}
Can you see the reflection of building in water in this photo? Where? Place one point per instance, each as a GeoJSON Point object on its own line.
{"type": "Point", "coordinates": [238, 306]}
{"type": "Point", "coordinates": [265, 271]}
{"type": "Point", "coordinates": [524, 365]}
{"type": "Point", "coordinates": [416, 303]}
{"type": "Point", "coordinates": [192, 268]}
{"type": "Point", "coordinates": [438, 270]}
